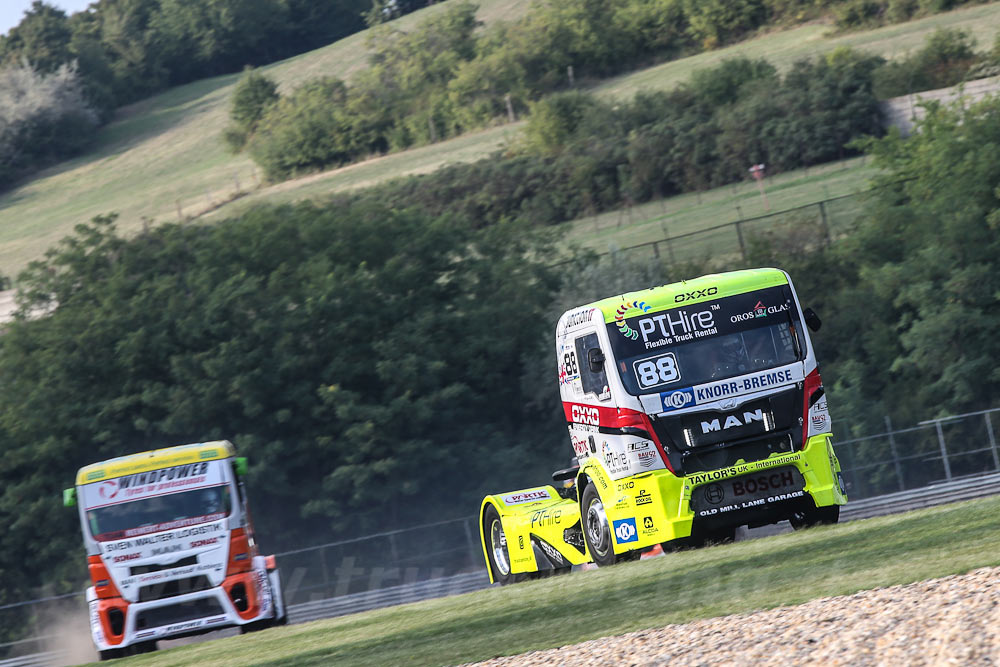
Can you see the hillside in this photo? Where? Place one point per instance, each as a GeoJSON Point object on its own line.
{"type": "Point", "coordinates": [162, 159]}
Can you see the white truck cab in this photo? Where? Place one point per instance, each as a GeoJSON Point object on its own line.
{"type": "Point", "coordinates": [171, 549]}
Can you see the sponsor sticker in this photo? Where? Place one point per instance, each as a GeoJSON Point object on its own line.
{"type": "Point", "coordinates": [724, 389]}
{"type": "Point", "coordinates": [625, 530]}
{"type": "Point", "coordinates": [532, 496]}
{"type": "Point", "coordinates": [677, 399]}
{"type": "Point", "coordinates": [732, 471]}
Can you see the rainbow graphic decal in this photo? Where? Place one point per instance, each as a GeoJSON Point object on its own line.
{"type": "Point", "coordinates": [623, 327]}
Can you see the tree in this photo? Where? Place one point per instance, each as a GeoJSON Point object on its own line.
{"type": "Point", "coordinates": [43, 118]}
{"type": "Point", "coordinates": [42, 38]}
{"type": "Point", "coordinates": [254, 95]}
{"type": "Point", "coordinates": [369, 361]}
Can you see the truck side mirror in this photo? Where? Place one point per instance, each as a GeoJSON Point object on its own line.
{"type": "Point", "coordinates": [241, 465]}
{"type": "Point", "coordinates": [812, 319]}
{"type": "Point", "coordinates": [69, 497]}
{"type": "Point", "coordinates": [595, 360]}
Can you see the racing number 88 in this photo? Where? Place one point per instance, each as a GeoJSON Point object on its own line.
{"type": "Point", "coordinates": [659, 371]}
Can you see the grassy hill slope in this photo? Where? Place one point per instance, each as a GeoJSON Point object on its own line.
{"type": "Point", "coordinates": [162, 159]}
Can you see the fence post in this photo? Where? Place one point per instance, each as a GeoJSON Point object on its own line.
{"type": "Point", "coordinates": [993, 440]}
{"type": "Point", "coordinates": [326, 572]}
{"type": "Point", "coordinates": [826, 223]}
{"type": "Point", "coordinates": [472, 544]}
{"type": "Point", "coordinates": [739, 236]}
{"type": "Point", "coordinates": [895, 456]}
{"type": "Point", "coordinates": [944, 450]}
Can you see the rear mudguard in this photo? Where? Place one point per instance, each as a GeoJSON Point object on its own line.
{"type": "Point", "coordinates": [646, 509]}
{"type": "Point", "coordinates": [542, 528]}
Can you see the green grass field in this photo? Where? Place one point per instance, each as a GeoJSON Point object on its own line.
{"type": "Point", "coordinates": [735, 578]}
{"type": "Point", "coordinates": [162, 159]}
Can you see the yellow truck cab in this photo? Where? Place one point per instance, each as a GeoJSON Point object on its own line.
{"type": "Point", "coordinates": [171, 549]}
{"type": "Point", "coordinates": [692, 408]}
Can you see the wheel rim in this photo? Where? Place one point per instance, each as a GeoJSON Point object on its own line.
{"type": "Point", "coordinates": [498, 542]}
{"type": "Point", "coordinates": [597, 527]}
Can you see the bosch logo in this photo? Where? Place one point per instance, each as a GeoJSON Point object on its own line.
{"type": "Point", "coordinates": [714, 493]}
{"type": "Point", "coordinates": [583, 414]}
{"type": "Point", "coordinates": [697, 294]}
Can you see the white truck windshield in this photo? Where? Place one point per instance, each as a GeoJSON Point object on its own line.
{"type": "Point", "coordinates": [159, 513]}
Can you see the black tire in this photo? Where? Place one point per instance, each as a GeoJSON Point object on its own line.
{"type": "Point", "coordinates": [145, 647]}
{"type": "Point", "coordinates": [256, 626]}
{"type": "Point", "coordinates": [701, 538]}
{"type": "Point", "coordinates": [110, 654]}
{"type": "Point", "coordinates": [816, 516]}
{"type": "Point", "coordinates": [496, 548]}
{"type": "Point", "coordinates": [597, 530]}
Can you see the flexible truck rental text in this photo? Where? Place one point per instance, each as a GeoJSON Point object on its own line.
{"type": "Point", "coordinates": [171, 548]}
{"type": "Point", "coordinates": [693, 408]}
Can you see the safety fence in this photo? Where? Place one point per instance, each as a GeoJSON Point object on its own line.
{"type": "Point", "coordinates": [932, 451]}
{"type": "Point", "coordinates": [898, 469]}
{"type": "Point", "coordinates": [789, 231]}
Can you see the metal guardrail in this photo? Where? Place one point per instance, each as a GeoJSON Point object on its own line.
{"type": "Point", "coordinates": [387, 597]}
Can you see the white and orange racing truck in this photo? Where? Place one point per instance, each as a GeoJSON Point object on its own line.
{"type": "Point", "coordinates": [693, 408]}
{"type": "Point", "coordinates": [171, 549]}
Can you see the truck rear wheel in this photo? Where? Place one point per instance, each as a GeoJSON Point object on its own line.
{"type": "Point", "coordinates": [815, 516]}
{"type": "Point", "coordinates": [597, 531]}
{"type": "Point", "coordinates": [496, 548]}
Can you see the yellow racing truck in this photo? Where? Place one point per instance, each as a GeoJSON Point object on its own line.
{"type": "Point", "coordinates": [693, 408]}
{"type": "Point", "coordinates": [171, 548]}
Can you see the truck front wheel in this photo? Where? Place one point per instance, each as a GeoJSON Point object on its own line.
{"type": "Point", "coordinates": [596, 529]}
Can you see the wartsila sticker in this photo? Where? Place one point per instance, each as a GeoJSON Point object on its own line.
{"type": "Point", "coordinates": [677, 399]}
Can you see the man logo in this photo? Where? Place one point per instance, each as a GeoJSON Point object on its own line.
{"type": "Point", "coordinates": [732, 421]}
{"type": "Point", "coordinates": [625, 530]}
{"type": "Point", "coordinates": [714, 493]}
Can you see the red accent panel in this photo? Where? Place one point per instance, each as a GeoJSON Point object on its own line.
{"type": "Point", "coordinates": [249, 581]}
{"type": "Point", "coordinates": [813, 382]}
{"type": "Point", "coordinates": [104, 585]}
{"type": "Point", "coordinates": [239, 545]}
{"type": "Point", "coordinates": [105, 606]}
{"type": "Point", "coordinates": [598, 415]}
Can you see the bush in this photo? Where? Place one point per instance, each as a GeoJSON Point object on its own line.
{"type": "Point", "coordinates": [726, 82]}
{"type": "Point", "coordinates": [254, 95]}
{"type": "Point", "coordinates": [947, 58]}
{"type": "Point", "coordinates": [307, 130]}
{"type": "Point", "coordinates": [555, 120]}
{"type": "Point", "coordinates": [714, 23]}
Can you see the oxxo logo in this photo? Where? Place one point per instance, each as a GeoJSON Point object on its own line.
{"type": "Point", "coordinates": [583, 414]}
{"type": "Point", "coordinates": [625, 530]}
{"type": "Point", "coordinates": [697, 294]}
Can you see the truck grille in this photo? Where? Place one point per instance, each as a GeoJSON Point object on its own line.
{"type": "Point", "coordinates": [157, 567]}
{"type": "Point", "coordinates": [716, 438]}
{"type": "Point", "coordinates": [178, 613]}
{"type": "Point", "coordinates": [168, 589]}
